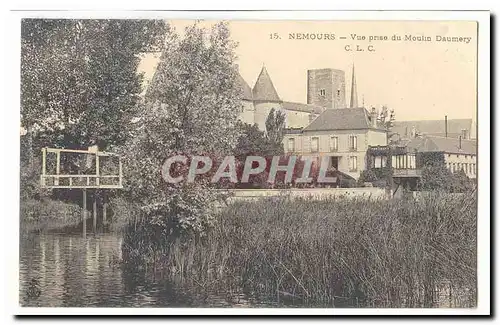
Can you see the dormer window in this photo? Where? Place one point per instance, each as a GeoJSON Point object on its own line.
{"type": "Point", "coordinates": [322, 92]}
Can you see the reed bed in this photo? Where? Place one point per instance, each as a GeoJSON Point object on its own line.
{"type": "Point", "coordinates": [331, 252]}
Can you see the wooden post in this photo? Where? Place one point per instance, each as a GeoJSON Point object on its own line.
{"type": "Point", "coordinates": [97, 169]}
{"type": "Point", "coordinates": [104, 208]}
{"type": "Point", "coordinates": [58, 167]}
{"type": "Point", "coordinates": [84, 213]}
{"type": "Point", "coordinates": [44, 162]}
{"type": "Point", "coordinates": [120, 171]}
{"type": "Point", "coordinates": [95, 213]}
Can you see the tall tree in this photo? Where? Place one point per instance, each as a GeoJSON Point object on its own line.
{"type": "Point", "coordinates": [275, 128]}
{"type": "Point", "coordinates": [192, 108]}
{"type": "Point", "coordinates": [79, 81]}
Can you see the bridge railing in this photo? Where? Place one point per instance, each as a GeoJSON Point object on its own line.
{"type": "Point", "coordinates": [97, 180]}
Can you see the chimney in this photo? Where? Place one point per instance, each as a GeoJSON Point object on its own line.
{"type": "Point", "coordinates": [460, 142]}
{"type": "Point", "coordinates": [373, 115]}
{"type": "Point", "coordinates": [446, 125]}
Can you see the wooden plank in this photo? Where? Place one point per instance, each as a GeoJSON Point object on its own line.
{"type": "Point", "coordinates": [120, 171]}
{"type": "Point", "coordinates": [99, 153]}
{"type": "Point", "coordinates": [84, 213]}
{"type": "Point", "coordinates": [104, 208]}
{"type": "Point", "coordinates": [97, 170]}
{"type": "Point", "coordinates": [94, 213]}
{"type": "Point", "coordinates": [82, 176]}
{"type": "Point", "coordinates": [58, 167]}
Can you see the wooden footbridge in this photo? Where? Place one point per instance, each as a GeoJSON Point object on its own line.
{"type": "Point", "coordinates": [82, 169]}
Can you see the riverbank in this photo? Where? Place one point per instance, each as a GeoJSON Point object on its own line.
{"type": "Point", "coordinates": [46, 215]}
{"type": "Point", "coordinates": [342, 252]}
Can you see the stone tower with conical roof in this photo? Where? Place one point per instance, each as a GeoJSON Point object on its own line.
{"type": "Point", "coordinates": [354, 91]}
{"type": "Point", "coordinates": [265, 98]}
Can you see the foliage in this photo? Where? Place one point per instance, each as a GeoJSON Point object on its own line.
{"type": "Point", "coordinates": [435, 175]}
{"type": "Point", "coordinates": [45, 214]}
{"type": "Point", "coordinates": [367, 176]}
{"type": "Point", "coordinates": [79, 81]}
{"type": "Point", "coordinates": [386, 118]}
{"type": "Point", "coordinates": [275, 125]}
{"type": "Point", "coordinates": [253, 142]}
{"type": "Point", "coordinates": [332, 252]}
{"type": "Point", "coordinates": [192, 109]}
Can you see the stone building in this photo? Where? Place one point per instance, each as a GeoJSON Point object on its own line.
{"type": "Point", "coordinates": [459, 154]}
{"type": "Point", "coordinates": [325, 90]}
{"type": "Point", "coordinates": [343, 135]}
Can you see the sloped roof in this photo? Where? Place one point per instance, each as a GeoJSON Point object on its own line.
{"type": "Point", "coordinates": [442, 144]}
{"type": "Point", "coordinates": [246, 91]}
{"type": "Point", "coordinates": [264, 89]}
{"type": "Point", "coordinates": [299, 107]}
{"type": "Point", "coordinates": [341, 119]}
{"type": "Point", "coordinates": [433, 127]}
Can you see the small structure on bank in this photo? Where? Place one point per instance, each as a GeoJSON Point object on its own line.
{"type": "Point", "coordinates": [82, 169]}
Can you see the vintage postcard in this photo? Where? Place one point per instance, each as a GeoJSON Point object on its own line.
{"type": "Point", "coordinates": [292, 164]}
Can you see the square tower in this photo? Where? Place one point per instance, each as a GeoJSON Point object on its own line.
{"type": "Point", "coordinates": [326, 87]}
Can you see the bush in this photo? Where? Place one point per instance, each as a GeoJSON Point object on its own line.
{"type": "Point", "coordinates": [43, 215]}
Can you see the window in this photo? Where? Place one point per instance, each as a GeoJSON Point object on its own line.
{"type": "Point", "coordinates": [353, 143]}
{"type": "Point", "coordinates": [291, 145]}
{"type": "Point", "coordinates": [315, 144]}
{"type": "Point", "coordinates": [334, 144]}
{"type": "Point", "coordinates": [338, 92]}
{"type": "Point", "coordinates": [454, 169]}
{"type": "Point", "coordinates": [380, 161]}
{"type": "Point", "coordinates": [322, 92]}
{"type": "Point", "coordinates": [412, 162]}
{"type": "Point", "coordinates": [353, 163]}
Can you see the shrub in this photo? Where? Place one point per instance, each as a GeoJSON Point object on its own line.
{"type": "Point", "coordinates": [46, 214]}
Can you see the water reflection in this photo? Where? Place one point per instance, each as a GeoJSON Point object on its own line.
{"type": "Point", "coordinates": [70, 271]}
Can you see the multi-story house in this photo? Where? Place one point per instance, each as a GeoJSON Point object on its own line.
{"type": "Point", "coordinates": [343, 135]}
{"type": "Point", "coordinates": [458, 154]}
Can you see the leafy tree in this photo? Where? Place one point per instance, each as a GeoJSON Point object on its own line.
{"type": "Point", "coordinates": [275, 127]}
{"type": "Point", "coordinates": [192, 109]}
{"type": "Point", "coordinates": [253, 141]}
{"type": "Point", "coordinates": [79, 81]}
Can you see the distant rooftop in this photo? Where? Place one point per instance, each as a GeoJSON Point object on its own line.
{"type": "Point", "coordinates": [442, 144]}
{"type": "Point", "coordinates": [342, 119]}
{"type": "Point", "coordinates": [434, 127]}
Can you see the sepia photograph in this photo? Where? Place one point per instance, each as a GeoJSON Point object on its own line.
{"type": "Point", "coordinates": [245, 163]}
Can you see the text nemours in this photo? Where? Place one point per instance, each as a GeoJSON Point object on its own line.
{"type": "Point", "coordinates": [375, 38]}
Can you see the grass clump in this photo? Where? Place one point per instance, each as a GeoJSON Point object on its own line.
{"type": "Point", "coordinates": [333, 252]}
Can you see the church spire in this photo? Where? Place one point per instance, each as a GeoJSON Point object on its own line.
{"type": "Point", "coordinates": [354, 91]}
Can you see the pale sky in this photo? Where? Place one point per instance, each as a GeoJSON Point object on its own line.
{"type": "Point", "coordinates": [420, 80]}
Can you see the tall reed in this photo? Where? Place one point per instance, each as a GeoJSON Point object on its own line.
{"type": "Point", "coordinates": [342, 252]}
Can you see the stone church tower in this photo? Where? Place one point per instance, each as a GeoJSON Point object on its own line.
{"type": "Point", "coordinates": [326, 87]}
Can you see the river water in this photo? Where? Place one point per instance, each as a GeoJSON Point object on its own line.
{"type": "Point", "coordinates": [60, 270]}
